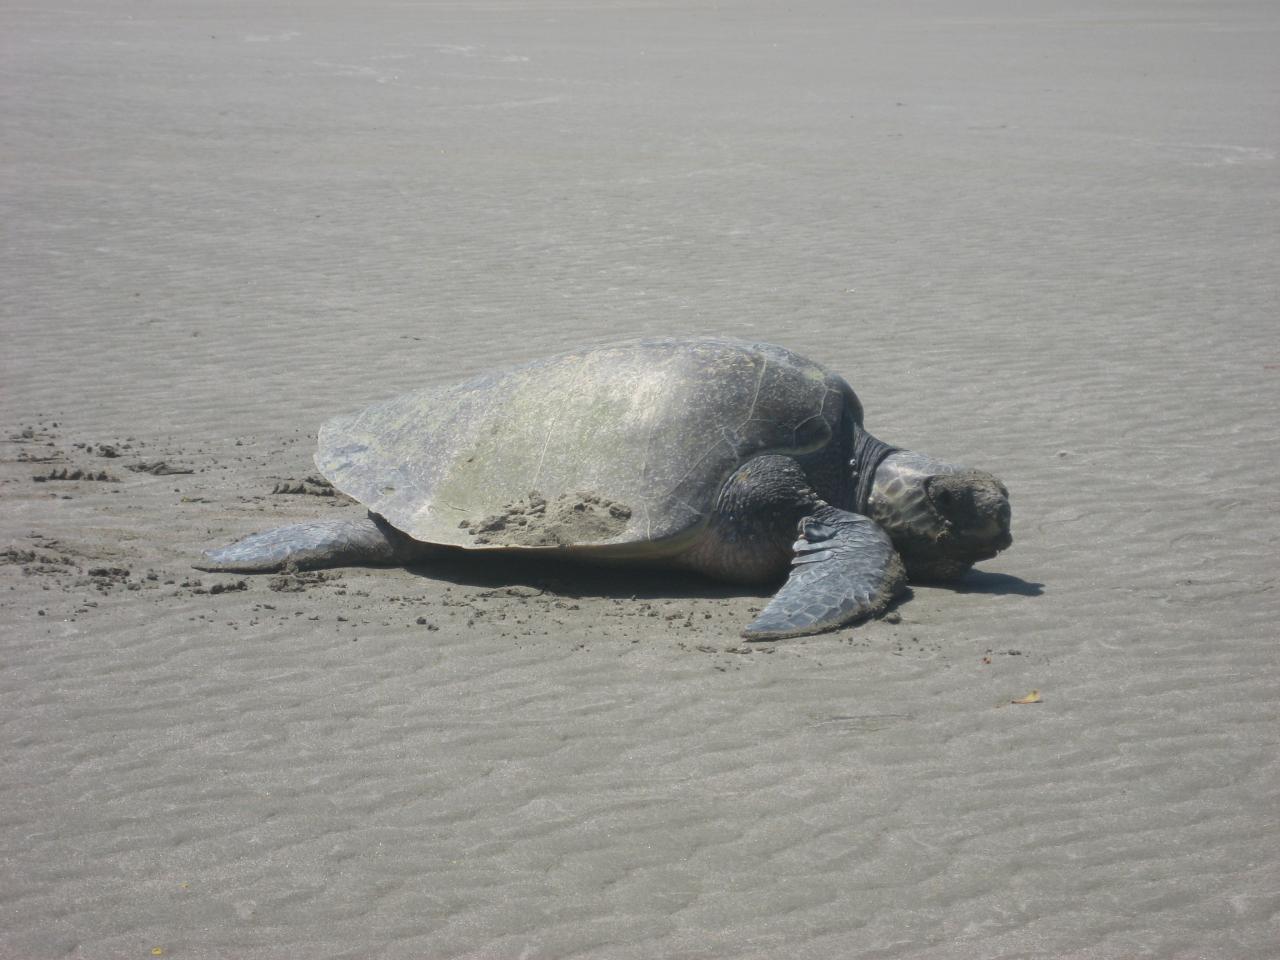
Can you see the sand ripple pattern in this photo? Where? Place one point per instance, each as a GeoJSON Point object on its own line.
{"type": "Point", "coordinates": [1041, 240]}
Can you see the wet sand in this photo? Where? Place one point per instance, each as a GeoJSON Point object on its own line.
{"type": "Point", "coordinates": [1039, 238]}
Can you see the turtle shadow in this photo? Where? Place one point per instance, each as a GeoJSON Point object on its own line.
{"type": "Point", "coordinates": [997, 584]}
{"type": "Point", "coordinates": [568, 578]}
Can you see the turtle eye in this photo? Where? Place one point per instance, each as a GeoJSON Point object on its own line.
{"type": "Point", "coordinates": [944, 497]}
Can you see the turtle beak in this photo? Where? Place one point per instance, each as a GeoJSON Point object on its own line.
{"type": "Point", "coordinates": [974, 506]}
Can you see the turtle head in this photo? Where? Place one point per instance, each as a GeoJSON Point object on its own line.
{"type": "Point", "coordinates": [943, 518]}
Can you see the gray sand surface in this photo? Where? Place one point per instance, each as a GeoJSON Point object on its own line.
{"type": "Point", "coordinates": [1039, 237]}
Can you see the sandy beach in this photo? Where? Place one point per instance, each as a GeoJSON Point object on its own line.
{"type": "Point", "coordinates": [1040, 238]}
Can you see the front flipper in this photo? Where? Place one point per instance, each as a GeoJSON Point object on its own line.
{"type": "Point", "coordinates": [321, 543]}
{"type": "Point", "coordinates": [844, 568]}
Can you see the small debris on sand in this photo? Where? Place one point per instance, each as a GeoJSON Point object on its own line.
{"type": "Point", "coordinates": [159, 468]}
{"type": "Point", "coordinates": [76, 474]}
{"type": "Point", "coordinates": [293, 580]}
{"type": "Point", "coordinates": [312, 486]}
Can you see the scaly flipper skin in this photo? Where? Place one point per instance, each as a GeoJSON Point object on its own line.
{"type": "Point", "coordinates": [845, 568]}
{"type": "Point", "coordinates": [310, 546]}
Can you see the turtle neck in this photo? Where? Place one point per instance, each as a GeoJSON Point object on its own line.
{"type": "Point", "coordinates": [868, 453]}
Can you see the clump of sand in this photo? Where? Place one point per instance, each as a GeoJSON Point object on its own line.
{"type": "Point", "coordinates": [533, 521]}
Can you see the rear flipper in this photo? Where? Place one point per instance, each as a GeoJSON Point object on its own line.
{"type": "Point", "coordinates": [320, 543]}
{"type": "Point", "coordinates": [845, 567]}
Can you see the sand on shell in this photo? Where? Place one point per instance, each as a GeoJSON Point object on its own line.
{"type": "Point", "coordinates": [567, 520]}
{"type": "Point", "coordinates": [1039, 239]}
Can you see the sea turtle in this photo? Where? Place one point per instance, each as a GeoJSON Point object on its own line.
{"type": "Point", "coordinates": [702, 454]}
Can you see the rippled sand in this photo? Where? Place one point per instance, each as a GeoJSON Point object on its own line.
{"type": "Point", "coordinates": [1038, 238]}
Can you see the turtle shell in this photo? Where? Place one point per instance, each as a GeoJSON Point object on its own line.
{"type": "Point", "coordinates": [621, 446]}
